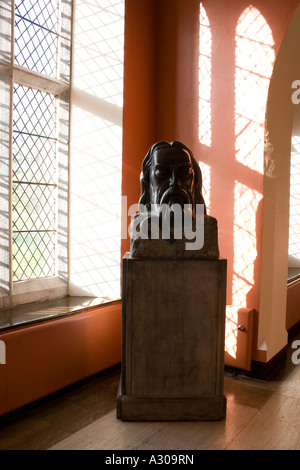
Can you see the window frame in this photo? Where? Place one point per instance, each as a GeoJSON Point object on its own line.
{"type": "Point", "coordinates": [20, 292]}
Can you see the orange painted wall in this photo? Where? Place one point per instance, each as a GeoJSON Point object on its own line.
{"type": "Point", "coordinates": [45, 357]}
{"type": "Point", "coordinates": [161, 101]}
{"type": "Point", "coordinates": [139, 96]}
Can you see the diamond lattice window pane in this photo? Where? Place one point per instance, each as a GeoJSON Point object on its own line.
{"type": "Point", "coordinates": [33, 254]}
{"type": "Point", "coordinates": [42, 12]}
{"type": "Point", "coordinates": [34, 207]}
{"type": "Point", "coordinates": [34, 158]}
{"type": "Point", "coordinates": [34, 112]}
{"type": "Point", "coordinates": [36, 35]}
{"type": "Point", "coordinates": [34, 183]}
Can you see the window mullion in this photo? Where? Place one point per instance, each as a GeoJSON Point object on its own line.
{"type": "Point", "coordinates": [11, 284]}
{"type": "Point", "coordinates": [38, 81]}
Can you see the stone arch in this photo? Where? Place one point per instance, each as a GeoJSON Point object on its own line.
{"type": "Point", "coordinates": [272, 334]}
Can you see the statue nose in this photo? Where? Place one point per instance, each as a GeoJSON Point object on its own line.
{"type": "Point", "coordinates": [173, 179]}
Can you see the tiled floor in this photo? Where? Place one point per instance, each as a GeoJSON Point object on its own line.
{"type": "Point", "coordinates": [260, 415]}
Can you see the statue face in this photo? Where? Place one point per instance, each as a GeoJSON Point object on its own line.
{"type": "Point", "coordinates": [171, 177]}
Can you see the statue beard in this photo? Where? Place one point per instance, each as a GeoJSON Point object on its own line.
{"type": "Point", "coordinates": [174, 195]}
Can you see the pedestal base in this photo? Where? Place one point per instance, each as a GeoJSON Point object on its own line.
{"type": "Point", "coordinates": [170, 409]}
{"type": "Point", "coordinates": [173, 324]}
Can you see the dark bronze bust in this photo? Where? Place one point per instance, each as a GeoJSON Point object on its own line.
{"type": "Point", "coordinates": [170, 175]}
{"type": "Point", "coordinates": [172, 210]}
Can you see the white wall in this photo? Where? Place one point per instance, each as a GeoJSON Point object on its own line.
{"type": "Point", "coordinates": [96, 149]}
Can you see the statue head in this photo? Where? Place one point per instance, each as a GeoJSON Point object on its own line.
{"type": "Point", "coordinates": [170, 175]}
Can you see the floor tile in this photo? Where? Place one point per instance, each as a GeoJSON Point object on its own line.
{"type": "Point", "coordinates": [210, 435]}
{"type": "Point", "coordinates": [274, 427]}
{"type": "Point", "coordinates": [36, 436]}
{"type": "Point", "coordinates": [109, 433]}
{"type": "Point", "coordinates": [246, 391]}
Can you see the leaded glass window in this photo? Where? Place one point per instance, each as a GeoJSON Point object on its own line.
{"type": "Point", "coordinates": [35, 66]}
{"type": "Point", "coordinates": [34, 155]}
{"type": "Point", "coordinates": [36, 35]}
{"type": "Point", "coordinates": [34, 183]}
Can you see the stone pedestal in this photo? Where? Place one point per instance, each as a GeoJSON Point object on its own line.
{"type": "Point", "coordinates": [173, 340]}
